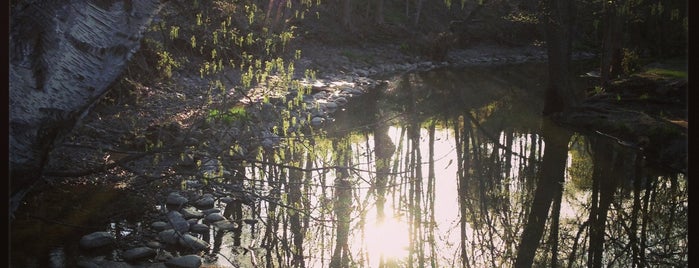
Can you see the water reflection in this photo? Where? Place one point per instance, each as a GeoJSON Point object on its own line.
{"type": "Point", "coordinates": [452, 168]}
{"type": "Point", "coordinates": [449, 168]}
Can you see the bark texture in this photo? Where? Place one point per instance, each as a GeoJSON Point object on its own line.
{"type": "Point", "coordinates": [63, 57]}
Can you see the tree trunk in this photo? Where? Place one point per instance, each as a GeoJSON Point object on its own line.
{"type": "Point", "coordinates": [347, 14]}
{"type": "Point", "coordinates": [611, 47]}
{"type": "Point", "coordinates": [560, 96]}
{"type": "Point", "coordinates": [65, 56]}
{"type": "Point", "coordinates": [418, 9]}
{"type": "Point", "coordinates": [463, 160]}
{"type": "Point", "coordinates": [559, 20]}
{"type": "Point", "coordinates": [295, 200]}
{"type": "Point", "coordinates": [605, 159]}
{"type": "Point", "coordinates": [342, 206]}
{"type": "Point", "coordinates": [555, 220]}
{"type": "Point", "coordinates": [549, 183]}
{"type": "Point", "coordinates": [379, 12]}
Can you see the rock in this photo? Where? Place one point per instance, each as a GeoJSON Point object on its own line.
{"type": "Point", "coordinates": [138, 253]}
{"type": "Point", "coordinates": [190, 212]}
{"type": "Point", "coordinates": [205, 202]}
{"type": "Point", "coordinates": [175, 199]}
{"type": "Point", "coordinates": [331, 106]}
{"type": "Point", "coordinates": [110, 264]}
{"type": "Point", "coordinates": [177, 221]}
{"type": "Point", "coordinates": [160, 225]}
{"type": "Point", "coordinates": [193, 184]}
{"type": "Point", "coordinates": [215, 210]}
{"type": "Point", "coordinates": [317, 121]}
{"type": "Point", "coordinates": [211, 168]}
{"type": "Point", "coordinates": [188, 261]}
{"type": "Point", "coordinates": [190, 241]}
{"type": "Point", "coordinates": [87, 264]}
{"type": "Point", "coordinates": [199, 228]}
{"type": "Point", "coordinates": [250, 221]}
{"type": "Point", "coordinates": [352, 91]}
{"type": "Point", "coordinates": [154, 244]}
{"type": "Point", "coordinates": [214, 217]}
{"type": "Point", "coordinates": [192, 222]}
{"type": "Point", "coordinates": [96, 239]}
{"type": "Point", "coordinates": [163, 255]}
{"type": "Point", "coordinates": [225, 225]}
{"type": "Point", "coordinates": [269, 139]}
{"type": "Point", "coordinates": [320, 95]}
{"type": "Point", "coordinates": [340, 101]}
{"type": "Point", "coordinates": [168, 236]}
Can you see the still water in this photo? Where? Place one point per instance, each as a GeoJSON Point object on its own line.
{"type": "Point", "coordinates": [441, 169]}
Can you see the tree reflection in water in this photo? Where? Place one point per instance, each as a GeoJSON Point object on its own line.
{"type": "Point", "coordinates": [444, 170]}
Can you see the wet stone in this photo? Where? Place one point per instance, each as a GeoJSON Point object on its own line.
{"type": "Point", "coordinates": [87, 264]}
{"type": "Point", "coordinates": [168, 236]}
{"type": "Point", "coordinates": [199, 228]}
{"type": "Point", "coordinates": [159, 225]}
{"type": "Point", "coordinates": [205, 202]}
{"type": "Point", "coordinates": [154, 244]}
{"type": "Point", "coordinates": [192, 222]}
{"type": "Point", "coordinates": [138, 253]}
{"type": "Point", "coordinates": [212, 210]}
{"type": "Point", "coordinates": [108, 264]}
{"type": "Point", "coordinates": [331, 106]}
{"type": "Point", "coordinates": [163, 255]}
{"type": "Point", "coordinates": [317, 121]}
{"type": "Point", "coordinates": [225, 200]}
{"type": "Point", "coordinates": [96, 239]}
{"type": "Point", "coordinates": [341, 101]}
{"type": "Point", "coordinates": [190, 241]}
{"type": "Point", "coordinates": [214, 217]}
{"type": "Point", "coordinates": [190, 212]}
{"type": "Point", "coordinates": [352, 91]}
{"type": "Point", "coordinates": [225, 225]}
{"type": "Point", "coordinates": [178, 222]}
{"type": "Point", "coordinates": [176, 199]}
{"type": "Point", "coordinates": [188, 261]}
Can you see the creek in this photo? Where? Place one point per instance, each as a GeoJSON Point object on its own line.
{"type": "Point", "coordinates": [436, 168]}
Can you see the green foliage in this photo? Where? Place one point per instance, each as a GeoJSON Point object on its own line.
{"type": "Point", "coordinates": [581, 165]}
{"type": "Point", "coordinates": [237, 113]}
{"type": "Point", "coordinates": [667, 73]}
{"type": "Point", "coordinates": [630, 62]}
{"type": "Point", "coordinates": [598, 90]}
{"type": "Point", "coordinates": [166, 63]}
{"type": "Point", "coordinates": [522, 17]}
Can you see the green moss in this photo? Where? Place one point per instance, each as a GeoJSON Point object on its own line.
{"type": "Point", "coordinates": [666, 73]}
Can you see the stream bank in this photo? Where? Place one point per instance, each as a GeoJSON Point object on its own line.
{"type": "Point", "coordinates": [162, 145]}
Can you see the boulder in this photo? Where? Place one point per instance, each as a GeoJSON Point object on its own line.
{"type": "Point", "coordinates": [188, 261]}
{"type": "Point", "coordinates": [175, 199]}
{"type": "Point", "coordinates": [177, 221]}
{"type": "Point", "coordinates": [96, 239]}
{"type": "Point", "coordinates": [214, 217]}
{"type": "Point", "coordinates": [135, 254]}
{"type": "Point", "coordinates": [190, 241]}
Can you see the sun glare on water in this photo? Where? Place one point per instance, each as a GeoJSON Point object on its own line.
{"type": "Point", "coordinates": [388, 239]}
